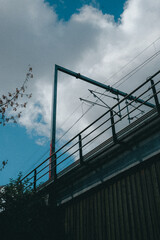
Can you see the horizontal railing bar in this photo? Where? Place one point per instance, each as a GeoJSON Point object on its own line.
{"type": "Point", "coordinates": [129, 103]}
{"type": "Point", "coordinates": [110, 109]}
{"type": "Point", "coordinates": [122, 100]}
{"type": "Point", "coordinates": [43, 168]}
{"type": "Point", "coordinates": [46, 172]}
{"type": "Point", "coordinates": [29, 178]}
{"type": "Point", "coordinates": [37, 167]}
{"type": "Point", "coordinates": [61, 161]}
{"type": "Point", "coordinates": [67, 150]}
{"type": "Point", "coordinates": [43, 174]}
{"type": "Point", "coordinates": [67, 158]}
{"type": "Point", "coordinates": [114, 124]}
{"type": "Point", "coordinates": [90, 141]}
{"type": "Point", "coordinates": [28, 174]}
{"type": "Point", "coordinates": [135, 108]}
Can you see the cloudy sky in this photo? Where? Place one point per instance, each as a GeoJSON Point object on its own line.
{"type": "Point", "coordinates": [100, 40]}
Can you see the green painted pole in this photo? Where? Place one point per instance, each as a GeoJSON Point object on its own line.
{"type": "Point", "coordinates": [53, 161]}
{"type": "Point", "coordinates": [91, 81]}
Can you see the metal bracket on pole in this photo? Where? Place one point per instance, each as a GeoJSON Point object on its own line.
{"type": "Point", "coordinates": [101, 85]}
{"type": "Point", "coordinates": [106, 95]}
{"type": "Point", "coordinates": [93, 103]}
{"type": "Point", "coordinates": [92, 92]}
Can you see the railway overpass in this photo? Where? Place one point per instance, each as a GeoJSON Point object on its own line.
{"type": "Point", "coordinates": [111, 190]}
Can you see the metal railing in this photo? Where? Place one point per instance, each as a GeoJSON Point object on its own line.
{"type": "Point", "coordinates": [104, 131]}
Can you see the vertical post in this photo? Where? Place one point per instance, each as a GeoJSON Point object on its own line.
{"type": "Point", "coordinates": [155, 96]}
{"type": "Point", "coordinates": [35, 179]}
{"type": "Point", "coordinates": [54, 167]}
{"type": "Point", "coordinates": [80, 149]}
{"type": "Point", "coordinates": [53, 136]}
{"type": "Point", "coordinates": [119, 108]}
{"type": "Point", "coordinates": [129, 120]}
{"type": "Point", "coordinates": [113, 127]}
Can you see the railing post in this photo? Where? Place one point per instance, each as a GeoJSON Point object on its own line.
{"type": "Point", "coordinates": [113, 127]}
{"type": "Point", "coordinates": [54, 167]}
{"type": "Point", "coordinates": [129, 120]}
{"type": "Point", "coordinates": [155, 96]}
{"type": "Point", "coordinates": [35, 179]}
{"type": "Point", "coordinates": [80, 149]}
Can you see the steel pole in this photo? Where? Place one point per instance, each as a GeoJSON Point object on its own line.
{"type": "Point", "coordinates": [53, 125]}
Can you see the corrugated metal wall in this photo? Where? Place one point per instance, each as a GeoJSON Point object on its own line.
{"type": "Point", "coordinates": [128, 207]}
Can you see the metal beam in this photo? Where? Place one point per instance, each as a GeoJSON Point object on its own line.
{"type": "Point", "coordinates": [91, 81]}
{"type": "Point", "coordinates": [101, 85]}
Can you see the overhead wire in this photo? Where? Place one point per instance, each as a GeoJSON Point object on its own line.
{"type": "Point", "coordinates": [66, 120]}
{"type": "Point", "coordinates": [132, 72]}
{"type": "Point", "coordinates": [128, 75]}
{"type": "Point", "coordinates": [136, 116]}
{"type": "Point", "coordinates": [135, 70]}
{"type": "Point", "coordinates": [35, 163]}
{"type": "Point", "coordinates": [120, 78]}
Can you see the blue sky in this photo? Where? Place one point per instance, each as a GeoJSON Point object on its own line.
{"type": "Point", "coordinates": [79, 35]}
{"type": "Point", "coordinates": [65, 8]}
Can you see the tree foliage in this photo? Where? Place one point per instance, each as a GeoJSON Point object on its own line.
{"type": "Point", "coordinates": [23, 213]}
{"type": "Point", "coordinates": [11, 105]}
{"type": "Point", "coordinates": [14, 194]}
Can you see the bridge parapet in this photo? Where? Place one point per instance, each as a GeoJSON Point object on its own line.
{"type": "Point", "coordinates": [106, 136]}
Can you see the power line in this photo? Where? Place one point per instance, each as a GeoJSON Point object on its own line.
{"type": "Point", "coordinates": [128, 75]}
{"type": "Point", "coordinates": [139, 67]}
{"type": "Point", "coordinates": [145, 49]}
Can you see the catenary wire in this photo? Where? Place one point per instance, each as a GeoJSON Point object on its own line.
{"type": "Point", "coordinates": [131, 72]}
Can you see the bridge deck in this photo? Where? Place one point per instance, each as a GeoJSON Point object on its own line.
{"type": "Point", "coordinates": [104, 156]}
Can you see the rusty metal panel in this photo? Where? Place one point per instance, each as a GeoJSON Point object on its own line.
{"type": "Point", "coordinates": [128, 207]}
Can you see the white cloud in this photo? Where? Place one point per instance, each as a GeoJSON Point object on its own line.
{"type": "Point", "coordinates": [90, 43]}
